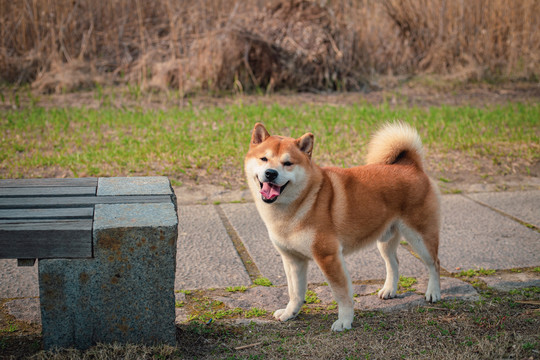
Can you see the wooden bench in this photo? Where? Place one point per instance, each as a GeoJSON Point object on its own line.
{"type": "Point", "coordinates": [107, 255]}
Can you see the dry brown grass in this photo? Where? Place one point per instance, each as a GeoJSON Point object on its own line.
{"type": "Point", "coordinates": [64, 45]}
{"type": "Point", "coordinates": [472, 38]}
{"type": "Point", "coordinates": [499, 326]}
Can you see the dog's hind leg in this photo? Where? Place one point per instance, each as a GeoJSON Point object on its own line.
{"type": "Point", "coordinates": [387, 246]}
{"type": "Point", "coordinates": [426, 246]}
{"type": "Point", "coordinates": [296, 271]}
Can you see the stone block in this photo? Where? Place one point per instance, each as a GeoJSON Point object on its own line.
{"type": "Point", "coordinates": [147, 185]}
{"type": "Point", "coordinates": [126, 292]}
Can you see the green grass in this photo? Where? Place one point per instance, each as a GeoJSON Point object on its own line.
{"type": "Point", "coordinates": [205, 310]}
{"type": "Point", "coordinates": [406, 283]}
{"type": "Point", "coordinates": [332, 305]}
{"type": "Point", "coordinates": [9, 329]}
{"type": "Point", "coordinates": [526, 292]}
{"type": "Point", "coordinates": [236, 288]}
{"type": "Point", "coordinates": [211, 315]}
{"type": "Point", "coordinates": [262, 281]}
{"type": "Point", "coordinates": [311, 297]}
{"type": "Point", "coordinates": [112, 142]}
{"type": "Point", "coordinates": [186, 292]}
{"type": "Point", "coordinates": [255, 312]}
{"type": "Point", "coordinates": [472, 272]}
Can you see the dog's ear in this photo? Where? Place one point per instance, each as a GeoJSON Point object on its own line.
{"type": "Point", "coordinates": [259, 134]}
{"type": "Point", "coordinates": [305, 143]}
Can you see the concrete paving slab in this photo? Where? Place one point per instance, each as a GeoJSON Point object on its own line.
{"type": "Point", "coordinates": [181, 315]}
{"type": "Point", "coordinates": [473, 236]}
{"type": "Point", "coordinates": [208, 194]}
{"type": "Point", "coordinates": [324, 293]}
{"type": "Point", "coordinates": [180, 312]}
{"type": "Point", "coordinates": [24, 310]}
{"type": "Point", "coordinates": [451, 289]}
{"type": "Point", "coordinates": [262, 297]}
{"type": "Point", "coordinates": [401, 302]}
{"type": "Point", "coordinates": [523, 205]}
{"type": "Point", "coordinates": [16, 282]}
{"type": "Point", "coordinates": [206, 256]}
{"type": "Point", "coordinates": [273, 298]}
{"type": "Point", "coordinates": [508, 282]}
{"type": "Point", "coordinates": [362, 265]}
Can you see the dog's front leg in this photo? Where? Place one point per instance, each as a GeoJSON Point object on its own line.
{"type": "Point", "coordinates": [334, 268]}
{"type": "Point", "coordinates": [296, 271]}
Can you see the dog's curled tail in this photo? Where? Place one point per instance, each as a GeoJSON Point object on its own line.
{"type": "Point", "coordinates": [396, 143]}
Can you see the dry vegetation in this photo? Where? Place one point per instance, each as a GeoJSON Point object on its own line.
{"type": "Point", "coordinates": [498, 326]}
{"type": "Point", "coordinates": [215, 45]}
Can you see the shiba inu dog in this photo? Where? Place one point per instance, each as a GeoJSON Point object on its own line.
{"type": "Point", "coordinates": [323, 213]}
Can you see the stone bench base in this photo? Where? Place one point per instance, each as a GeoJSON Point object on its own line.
{"type": "Point", "coordinates": [125, 293]}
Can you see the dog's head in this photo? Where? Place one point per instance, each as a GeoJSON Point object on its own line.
{"type": "Point", "coordinates": [277, 167]}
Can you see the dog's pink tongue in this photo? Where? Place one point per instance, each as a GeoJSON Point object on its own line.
{"type": "Point", "coordinates": [270, 191]}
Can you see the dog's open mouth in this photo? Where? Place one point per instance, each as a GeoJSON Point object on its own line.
{"type": "Point", "coordinates": [270, 192]}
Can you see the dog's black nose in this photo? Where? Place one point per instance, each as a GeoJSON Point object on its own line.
{"type": "Point", "coordinates": [271, 174]}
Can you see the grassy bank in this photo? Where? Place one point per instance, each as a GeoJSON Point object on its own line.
{"type": "Point", "coordinates": [192, 144]}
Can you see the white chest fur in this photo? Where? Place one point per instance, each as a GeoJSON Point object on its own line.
{"type": "Point", "coordinates": [298, 242]}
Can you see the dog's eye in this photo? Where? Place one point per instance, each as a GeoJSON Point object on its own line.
{"type": "Point", "coordinates": [287, 163]}
{"type": "Point", "coordinates": [264, 159]}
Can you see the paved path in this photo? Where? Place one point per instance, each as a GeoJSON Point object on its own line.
{"type": "Point", "coordinates": [486, 230]}
{"type": "Point", "coordinates": [483, 230]}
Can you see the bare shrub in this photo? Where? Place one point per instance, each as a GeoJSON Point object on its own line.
{"type": "Point", "coordinates": [62, 77]}
{"type": "Point", "coordinates": [473, 38]}
{"type": "Point", "coordinates": [215, 45]}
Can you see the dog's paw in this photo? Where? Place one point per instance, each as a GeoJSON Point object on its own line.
{"type": "Point", "coordinates": [433, 296]}
{"type": "Point", "coordinates": [340, 325]}
{"type": "Point", "coordinates": [387, 293]}
{"type": "Point", "coordinates": [283, 315]}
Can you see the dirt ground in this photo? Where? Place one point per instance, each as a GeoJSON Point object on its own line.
{"type": "Point", "coordinates": [418, 91]}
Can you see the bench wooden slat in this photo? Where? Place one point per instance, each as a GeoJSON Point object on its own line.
{"type": "Point", "coordinates": [48, 191]}
{"type": "Point", "coordinates": [74, 213]}
{"type": "Point", "coordinates": [10, 183]}
{"type": "Point", "coordinates": [78, 201]}
{"type": "Point", "coordinates": [22, 222]}
{"type": "Point", "coordinates": [47, 239]}
{"type": "Point", "coordinates": [46, 225]}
